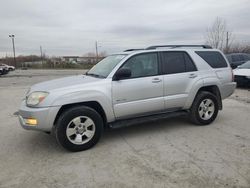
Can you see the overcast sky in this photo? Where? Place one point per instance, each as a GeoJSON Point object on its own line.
{"type": "Point", "coordinates": [64, 27]}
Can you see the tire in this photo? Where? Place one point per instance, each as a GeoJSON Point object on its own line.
{"type": "Point", "coordinates": [204, 109]}
{"type": "Point", "coordinates": [79, 128]}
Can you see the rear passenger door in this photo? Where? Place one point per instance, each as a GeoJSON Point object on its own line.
{"type": "Point", "coordinates": [180, 73]}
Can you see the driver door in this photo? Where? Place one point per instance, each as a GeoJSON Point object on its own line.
{"type": "Point", "coordinates": [142, 93]}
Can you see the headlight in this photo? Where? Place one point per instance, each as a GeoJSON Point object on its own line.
{"type": "Point", "coordinates": [36, 97]}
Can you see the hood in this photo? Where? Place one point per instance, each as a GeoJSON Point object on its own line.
{"type": "Point", "coordinates": [63, 83]}
{"type": "Point", "coordinates": [242, 72]}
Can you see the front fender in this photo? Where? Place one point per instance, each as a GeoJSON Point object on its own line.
{"type": "Point", "coordinates": [86, 96]}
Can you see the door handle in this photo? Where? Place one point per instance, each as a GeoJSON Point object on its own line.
{"type": "Point", "coordinates": [156, 80]}
{"type": "Point", "coordinates": [192, 75]}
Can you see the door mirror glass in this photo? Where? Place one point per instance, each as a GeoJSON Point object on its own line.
{"type": "Point", "coordinates": [122, 73]}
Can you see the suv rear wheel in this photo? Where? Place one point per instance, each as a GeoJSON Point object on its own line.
{"type": "Point", "coordinates": [79, 128]}
{"type": "Point", "coordinates": [204, 109]}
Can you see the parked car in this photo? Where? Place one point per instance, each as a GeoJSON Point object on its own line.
{"type": "Point", "coordinates": [9, 67]}
{"type": "Point", "coordinates": [237, 59]}
{"type": "Point", "coordinates": [130, 87]}
{"type": "Point", "coordinates": [242, 74]}
{"type": "Point", "coordinates": [4, 68]}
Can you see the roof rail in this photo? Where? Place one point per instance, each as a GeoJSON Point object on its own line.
{"type": "Point", "coordinates": [129, 50]}
{"type": "Point", "coordinates": [177, 46]}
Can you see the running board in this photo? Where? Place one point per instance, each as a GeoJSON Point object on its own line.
{"type": "Point", "coordinates": [144, 119]}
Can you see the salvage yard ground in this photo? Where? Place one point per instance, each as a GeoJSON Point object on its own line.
{"type": "Point", "coordinates": [165, 153]}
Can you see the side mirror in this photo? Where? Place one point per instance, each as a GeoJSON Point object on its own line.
{"type": "Point", "coordinates": [122, 73]}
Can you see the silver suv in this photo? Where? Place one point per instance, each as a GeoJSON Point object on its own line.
{"type": "Point", "coordinates": [130, 87]}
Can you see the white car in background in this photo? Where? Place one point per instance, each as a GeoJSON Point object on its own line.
{"type": "Point", "coordinates": [4, 69]}
{"type": "Point", "coordinates": [9, 67]}
{"type": "Point", "coordinates": [242, 74]}
{"type": "Point", "coordinates": [1, 70]}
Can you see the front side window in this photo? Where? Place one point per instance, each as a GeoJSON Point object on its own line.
{"type": "Point", "coordinates": [142, 65]}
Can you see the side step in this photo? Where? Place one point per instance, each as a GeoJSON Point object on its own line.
{"type": "Point", "coordinates": [144, 119]}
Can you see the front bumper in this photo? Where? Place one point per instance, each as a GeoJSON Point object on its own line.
{"type": "Point", "coordinates": [45, 117]}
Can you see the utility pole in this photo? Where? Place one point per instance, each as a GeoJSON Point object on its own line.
{"type": "Point", "coordinates": [227, 43]}
{"type": "Point", "coordinates": [41, 51]}
{"type": "Point", "coordinates": [13, 43]}
{"type": "Point", "coordinates": [96, 51]}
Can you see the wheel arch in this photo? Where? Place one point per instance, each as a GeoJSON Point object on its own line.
{"type": "Point", "coordinates": [214, 89]}
{"type": "Point", "coordinates": [92, 104]}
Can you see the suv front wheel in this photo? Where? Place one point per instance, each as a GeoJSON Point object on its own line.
{"type": "Point", "coordinates": [79, 128]}
{"type": "Point", "coordinates": [204, 109]}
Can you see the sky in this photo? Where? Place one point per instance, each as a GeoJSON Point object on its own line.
{"type": "Point", "coordinates": [64, 27]}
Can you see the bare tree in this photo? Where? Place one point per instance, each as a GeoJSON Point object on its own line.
{"type": "Point", "coordinates": [239, 48]}
{"type": "Point", "coordinates": [218, 35]}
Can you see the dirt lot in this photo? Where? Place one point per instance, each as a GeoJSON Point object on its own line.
{"type": "Point", "coordinates": [167, 153]}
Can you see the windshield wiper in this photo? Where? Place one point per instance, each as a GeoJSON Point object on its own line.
{"type": "Point", "coordinates": [95, 75]}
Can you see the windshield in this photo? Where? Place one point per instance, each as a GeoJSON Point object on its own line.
{"type": "Point", "coordinates": [105, 66]}
{"type": "Point", "coordinates": [245, 65]}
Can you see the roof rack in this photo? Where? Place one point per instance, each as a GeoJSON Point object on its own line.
{"type": "Point", "coordinates": [129, 50]}
{"type": "Point", "coordinates": [177, 46]}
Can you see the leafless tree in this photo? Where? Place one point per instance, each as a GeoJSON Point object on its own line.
{"type": "Point", "coordinates": [239, 48]}
{"type": "Point", "coordinates": [218, 35]}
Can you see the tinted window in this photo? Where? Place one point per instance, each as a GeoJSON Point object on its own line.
{"type": "Point", "coordinates": [177, 62]}
{"type": "Point", "coordinates": [241, 58]}
{"type": "Point", "coordinates": [246, 57]}
{"type": "Point", "coordinates": [142, 65]}
{"type": "Point", "coordinates": [189, 64]}
{"type": "Point", "coordinates": [214, 59]}
{"type": "Point", "coordinates": [235, 58]}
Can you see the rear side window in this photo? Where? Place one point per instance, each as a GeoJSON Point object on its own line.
{"type": "Point", "coordinates": [176, 62]}
{"type": "Point", "coordinates": [214, 59]}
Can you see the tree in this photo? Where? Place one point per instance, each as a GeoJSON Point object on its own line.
{"type": "Point", "coordinates": [239, 48]}
{"type": "Point", "coordinates": [218, 35]}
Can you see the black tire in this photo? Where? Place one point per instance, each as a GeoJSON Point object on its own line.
{"type": "Point", "coordinates": [194, 115]}
{"type": "Point", "coordinates": [67, 116]}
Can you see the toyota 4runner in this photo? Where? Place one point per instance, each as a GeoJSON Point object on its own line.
{"type": "Point", "coordinates": [133, 86]}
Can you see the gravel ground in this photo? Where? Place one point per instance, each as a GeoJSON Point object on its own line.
{"type": "Point", "coordinates": [166, 153]}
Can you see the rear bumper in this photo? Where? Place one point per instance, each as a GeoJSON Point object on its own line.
{"type": "Point", "coordinates": [227, 89]}
{"type": "Point", "coordinates": [45, 117]}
